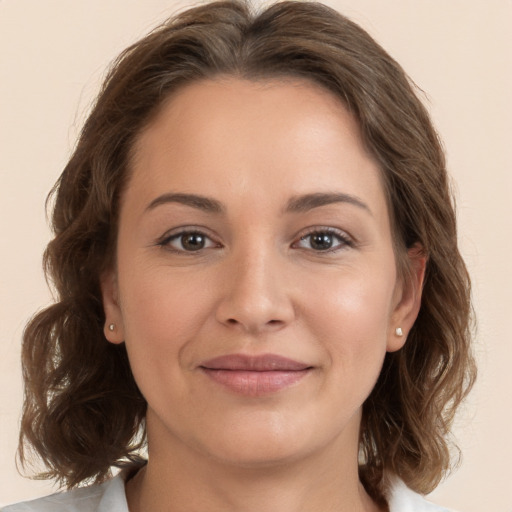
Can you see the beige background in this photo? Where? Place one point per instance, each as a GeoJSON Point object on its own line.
{"type": "Point", "coordinates": [52, 56]}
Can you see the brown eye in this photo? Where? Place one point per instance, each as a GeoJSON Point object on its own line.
{"type": "Point", "coordinates": [321, 241]}
{"type": "Point", "coordinates": [187, 241]}
{"type": "Point", "coordinates": [327, 240]}
{"type": "Point", "coordinates": [192, 241]}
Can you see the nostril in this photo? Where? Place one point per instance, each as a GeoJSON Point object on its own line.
{"type": "Point", "coordinates": [234, 322]}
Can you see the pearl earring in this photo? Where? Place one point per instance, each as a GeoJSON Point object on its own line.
{"type": "Point", "coordinates": [111, 327]}
{"type": "Point", "coordinates": [399, 332]}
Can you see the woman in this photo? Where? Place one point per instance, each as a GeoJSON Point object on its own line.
{"type": "Point", "coordinates": [257, 268]}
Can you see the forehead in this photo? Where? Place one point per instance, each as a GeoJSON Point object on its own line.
{"type": "Point", "coordinates": [212, 108]}
{"type": "Point", "coordinates": [214, 136]}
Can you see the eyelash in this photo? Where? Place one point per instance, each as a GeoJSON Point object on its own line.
{"type": "Point", "coordinates": [343, 240]}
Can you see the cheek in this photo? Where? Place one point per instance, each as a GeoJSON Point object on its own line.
{"type": "Point", "coordinates": [351, 318]}
{"type": "Point", "coordinates": [161, 315]}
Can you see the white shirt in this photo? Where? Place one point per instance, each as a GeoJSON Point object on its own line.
{"type": "Point", "coordinates": [111, 497]}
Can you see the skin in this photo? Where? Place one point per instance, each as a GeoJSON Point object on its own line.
{"type": "Point", "coordinates": [259, 285]}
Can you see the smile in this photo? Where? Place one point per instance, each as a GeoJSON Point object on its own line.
{"type": "Point", "coordinates": [255, 375]}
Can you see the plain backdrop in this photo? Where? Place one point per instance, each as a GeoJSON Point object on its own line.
{"type": "Point", "coordinates": [53, 54]}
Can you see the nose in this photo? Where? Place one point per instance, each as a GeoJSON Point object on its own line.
{"type": "Point", "coordinates": [255, 294]}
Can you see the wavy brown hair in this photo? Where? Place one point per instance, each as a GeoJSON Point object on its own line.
{"type": "Point", "coordinates": [83, 413]}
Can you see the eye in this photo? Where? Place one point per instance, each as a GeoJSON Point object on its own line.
{"type": "Point", "coordinates": [187, 241]}
{"type": "Point", "coordinates": [324, 240]}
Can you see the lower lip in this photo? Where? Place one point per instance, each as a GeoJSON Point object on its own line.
{"type": "Point", "coordinates": [251, 383]}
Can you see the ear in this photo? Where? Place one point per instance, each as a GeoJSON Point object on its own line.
{"type": "Point", "coordinates": [113, 328]}
{"type": "Point", "coordinates": [407, 298]}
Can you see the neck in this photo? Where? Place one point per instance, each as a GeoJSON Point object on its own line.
{"type": "Point", "coordinates": [177, 479]}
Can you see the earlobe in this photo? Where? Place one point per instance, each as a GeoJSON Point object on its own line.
{"type": "Point", "coordinates": [408, 302]}
{"type": "Point", "coordinates": [113, 328]}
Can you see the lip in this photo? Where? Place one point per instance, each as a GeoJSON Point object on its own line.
{"type": "Point", "coordinates": [255, 375]}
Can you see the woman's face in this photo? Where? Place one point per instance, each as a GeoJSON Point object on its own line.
{"type": "Point", "coordinates": [256, 286]}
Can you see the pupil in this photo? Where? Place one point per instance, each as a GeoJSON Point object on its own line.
{"type": "Point", "coordinates": [321, 241]}
{"type": "Point", "coordinates": [192, 241]}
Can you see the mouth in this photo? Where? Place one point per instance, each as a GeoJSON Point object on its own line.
{"type": "Point", "coordinates": [255, 375]}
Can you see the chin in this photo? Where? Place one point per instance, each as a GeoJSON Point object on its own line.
{"type": "Point", "coordinates": [254, 456]}
{"type": "Point", "coordinates": [265, 443]}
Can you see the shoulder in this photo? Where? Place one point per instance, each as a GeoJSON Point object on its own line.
{"type": "Point", "coordinates": [403, 499]}
{"type": "Point", "coordinates": [107, 497]}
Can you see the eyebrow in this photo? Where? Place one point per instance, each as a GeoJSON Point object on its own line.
{"type": "Point", "coordinates": [195, 201]}
{"type": "Point", "coordinates": [296, 204]}
{"type": "Point", "coordinates": [306, 202]}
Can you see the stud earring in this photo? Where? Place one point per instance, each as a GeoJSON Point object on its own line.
{"type": "Point", "coordinates": [111, 327]}
{"type": "Point", "coordinates": [399, 332]}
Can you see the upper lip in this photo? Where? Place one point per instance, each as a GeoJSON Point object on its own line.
{"type": "Point", "coordinates": [259, 363]}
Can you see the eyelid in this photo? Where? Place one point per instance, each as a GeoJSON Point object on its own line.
{"type": "Point", "coordinates": [346, 240]}
{"type": "Point", "coordinates": [176, 233]}
{"type": "Point", "coordinates": [164, 241]}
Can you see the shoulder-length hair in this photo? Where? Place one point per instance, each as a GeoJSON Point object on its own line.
{"type": "Point", "coordinates": [83, 413]}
